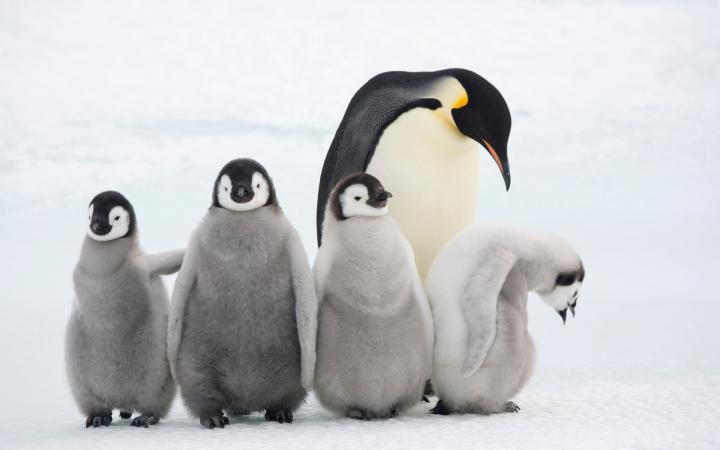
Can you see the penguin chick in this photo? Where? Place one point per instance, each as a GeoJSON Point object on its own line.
{"type": "Point", "coordinates": [116, 338]}
{"type": "Point", "coordinates": [478, 288]}
{"type": "Point", "coordinates": [243, 315]}
{"type": "Point", "coordinates": [375, 333]}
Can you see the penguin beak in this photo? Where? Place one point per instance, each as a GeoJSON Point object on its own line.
{"type": "Point", "coordinates": [241, 194]}
{"type": "Point", "coordinates": [501, 160]}
{"type": "Point", "coordinates": [380, 199]}
{"type": "Point", "coordinates": [470, 123]}
{"type": "Point", "coordinates": [100, 227]}
{"type": "Point", "coordinates": [563, 314]}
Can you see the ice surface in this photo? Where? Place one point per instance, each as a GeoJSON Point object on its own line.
{"type": "Point", "coordinates": [614, 145]}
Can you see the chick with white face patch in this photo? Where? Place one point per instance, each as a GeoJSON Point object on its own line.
{"type": "Point", "coordinates": [243, 314]}
{"type": "Point", "coordinates": [116, 339]}
{"type": "Point", "coordinates": [374, 344]}
{"type": "Point", "coordinates": [478, 288]}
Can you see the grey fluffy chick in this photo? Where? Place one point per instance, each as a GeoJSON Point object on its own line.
{"type": "Point", "coordinates": [116, 347]}
{"type": "Point", "coordinates": [478, 288]}
{"type": "Point", "coordinates": [243, 315]}
{"type": "Point", "coordinates": [374, 325]}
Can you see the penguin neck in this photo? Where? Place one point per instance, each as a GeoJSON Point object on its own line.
{"type": "Point", "coordinates": [515, 290]}
{"type": "Point", "coordinates": [535, 254]}
{"type": "Point", "coordinates": [241, 221]}
{"type": "Point", "coordinates": [363, 237]}
{"type": "Point", "coordinates": [101, 258]}
{"type": "Point", "coordinates": [225, 227]}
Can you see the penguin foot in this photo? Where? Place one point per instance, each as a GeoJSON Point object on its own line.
{"type": "Point", "coordinates": [144, 421]}
{"type": "Point", "coordinates": [358, 414]}
{"type": "Point", "coordinates": [511, 407]}
{"type": "Point", "coordinates": [279, 415]}
{"type": "Point", "coordinates": [125, 414]}
{"type": "Point", "coordinates": [362, 414]}
{"type": "Point", "coordinates": [441, 409]}
{"type": "Point", "coordinates": [100, 420]}
{"type": "Point", "coordinates": [215, 421]}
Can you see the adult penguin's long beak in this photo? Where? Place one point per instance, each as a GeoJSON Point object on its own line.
{"type": "Point", "coordinates": [501, 160]}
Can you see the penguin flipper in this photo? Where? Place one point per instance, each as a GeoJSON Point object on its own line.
{"type": "Point", "coordinates": [479, 306]}
{"type": "Point", "coordinates": [181, 291]}
{"type": "Point", "coordinates": [306, 307]}
{"type": "Point", "coordinates": [165, 263]}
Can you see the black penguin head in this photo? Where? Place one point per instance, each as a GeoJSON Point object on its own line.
{"type": "Point", "coordinates": [484, 116]}
{"type": "Point", "coordinates": [359, 194]}
{"type": "Point", "coordinates": [110, 217]}
{"type": "Point", "coordinates": [243, 185]}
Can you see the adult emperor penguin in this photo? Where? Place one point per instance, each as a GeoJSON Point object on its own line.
{"type": "Point", "coordinates": [375, 334]}
{"type": "Point", "coordinates": [116, 338]}
{"type": "Point", "coordinates": [243, 315]}
{"type": "Point", "coordinates": [420, 132]}
{"type": "Point", "coordinates": [478, 288]}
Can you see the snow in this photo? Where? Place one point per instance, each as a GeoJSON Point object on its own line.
{"type": "Point", "coordinates": [614, 146]}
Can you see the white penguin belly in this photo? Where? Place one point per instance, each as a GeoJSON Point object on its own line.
{"type": "Point", "coordinates": [432, 171]}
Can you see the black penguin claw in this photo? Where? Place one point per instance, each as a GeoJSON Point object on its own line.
{"type": "Point", "coordinates": [511, 407]}
{"type": "Point", "coordinates": [441, 409]}
{"type": "Point", "coordinates": [96, 421]}
{"type": "Point", "coordinates": [358, 414]}
{"type": "Point", "coordinates": [211, 422]}
{"type": "Point", "coordinates": [144, 421]}
{"type": "Point", "coordinates": [362, 414]}
{"type": "Point", "coordinates": [279, 415]}
{"type": "Point", "coordinates": [125, 414]}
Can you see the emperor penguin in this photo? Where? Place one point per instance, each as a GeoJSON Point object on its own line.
{"type": "Point", "coordinates": [420, 133]}
{"type": "Point", "coordinates": [478, 288]}
{"type": "Point", "coordinates": [243, 314]}
{"type": "Point", "coordinates": [374, 343]}
{"type": "Point", "coordinates": [116, 338]}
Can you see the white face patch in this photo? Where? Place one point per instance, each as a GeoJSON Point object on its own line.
{"type": "Point", "coordinates": [119, 220]}
{"type": "Point", "coordinates": [353, 201]}
{"type": "Point", "coordinates": [261, 193]}
{"type": "Point", "coordinates": [561, 297]}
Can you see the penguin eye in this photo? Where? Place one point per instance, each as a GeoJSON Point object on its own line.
{"type": "Point", "coordinates": [117, 217]}
{"type": "Point", "coordinates": [226, 188]}
{"type": "Point", "coordinates": [565, 279]}
{"type": "Point", "coordinates": [357, 198]}
{"type": "Point", "coordinates": [258, 186]}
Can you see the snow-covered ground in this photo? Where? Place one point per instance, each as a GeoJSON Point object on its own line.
{"type": "Point", "coordinates": [616, 111]}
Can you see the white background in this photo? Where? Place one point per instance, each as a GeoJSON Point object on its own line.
{"type": "Point", "coordinates": [616, 122]}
